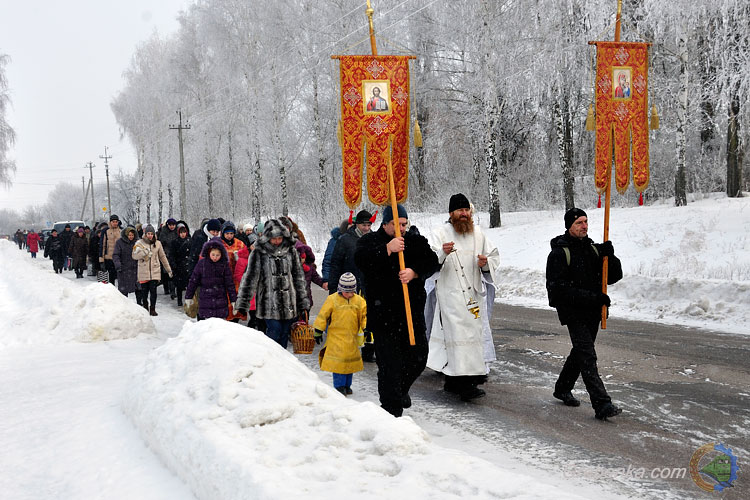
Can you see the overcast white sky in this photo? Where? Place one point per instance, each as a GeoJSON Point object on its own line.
{"type": "Point", "coordinates": [67, 59]}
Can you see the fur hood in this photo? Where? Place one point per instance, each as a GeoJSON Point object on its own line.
{"type": "Point", "coordinates": [124, 234]}
{"type": "Point", "coordinates": [215, 242]}
{"type": "Point", "coordinates": [273, 229]}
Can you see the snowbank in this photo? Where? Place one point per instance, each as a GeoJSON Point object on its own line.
{"type": "Point", "coordinates": [236, 416]}
{"type": "Point", "coordinates": [40, 307]}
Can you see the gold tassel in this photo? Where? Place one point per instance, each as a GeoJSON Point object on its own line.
{"type": "Point", "coordinates": [590, 120]}
{"type": "Point", "coordinates": [339, 136]}
{"type": "Point", "coordinates": [417, 134]}
{"type": "Point", "coordinates": [654, 119]}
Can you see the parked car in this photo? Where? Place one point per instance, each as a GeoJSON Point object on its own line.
{"type": "Point", "coordinates": [60, 226]}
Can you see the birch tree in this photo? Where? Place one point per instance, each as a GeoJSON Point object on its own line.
{"type": "Point", "coordinates": [7, 134]}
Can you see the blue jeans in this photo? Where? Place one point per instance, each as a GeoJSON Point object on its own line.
{"type": "Point", "coordinates": [278, 330]}
{"type": "Point", "coordinates": [341, 380]}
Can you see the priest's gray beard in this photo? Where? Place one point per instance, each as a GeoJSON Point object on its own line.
{"type": "Point", "coordinates": [462, 224]}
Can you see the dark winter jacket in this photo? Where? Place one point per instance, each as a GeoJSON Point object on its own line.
{"type": "Point", "coordinates": [167, 237]}
{"type": "Point", "coordinates": [181, 254]}
{"type": "Point", "coordinates": [215, 281]}
{"type": "Point", "coordinates": [199, 238]}
{"type": "Point", "coordinates": [78, 249]}
{"type": "Point", "coordinates": [65, 238]}
{"type": "Point", "coordinates": [335, 234]}
{"type": "Point", "coordinates": [94, 247]}
{"type": "Point", "coordinates": [126, 265]}
{"type": "Point", "coordinates": [386, 315]}
{"type": "Point", "coordinates": [574, 289]}
{"type": "Point", "coordinates": [54, 248]}
{"type": "Point", "coordinates": [274, 274]}
{"type": "Point", "coordinates": [342, 260]}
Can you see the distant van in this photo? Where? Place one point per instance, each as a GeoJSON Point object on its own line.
{"type": "Point", "coordinates": [60, 226]}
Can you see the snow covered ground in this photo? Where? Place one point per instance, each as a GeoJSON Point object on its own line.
{"type": "Point", "coordinates": [102, 401]}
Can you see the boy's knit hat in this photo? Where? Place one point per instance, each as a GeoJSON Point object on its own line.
{"type": "Point", "coordinates": [213, 225]}
{"type": "Point", "coordinates": [347, 283]}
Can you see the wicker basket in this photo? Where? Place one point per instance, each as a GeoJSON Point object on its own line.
{"type": "Point", "coordinates": [303, 337]}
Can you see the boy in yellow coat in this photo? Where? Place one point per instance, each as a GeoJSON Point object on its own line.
{"type": "Point", "coordinates": [345, 315]}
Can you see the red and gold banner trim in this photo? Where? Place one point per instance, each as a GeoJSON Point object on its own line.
{"type": "Point", "coordinates": [622, 113]}
{"type": "Point", "coordinates": [374, 108]}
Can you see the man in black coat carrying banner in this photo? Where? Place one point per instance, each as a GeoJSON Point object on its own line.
{"type": "Point", "coordinates": [376, 256]}
{"type": "Point", "coordinates": [574, 288]}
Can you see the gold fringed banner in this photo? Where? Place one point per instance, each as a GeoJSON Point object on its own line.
{"type": "Point", "coordinates": [374, 107]}
{"type": "Point", "coordinates": [622, 113]}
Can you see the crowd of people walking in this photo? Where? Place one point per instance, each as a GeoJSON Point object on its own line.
{"type": "Point", "coordinates": [262, 275]}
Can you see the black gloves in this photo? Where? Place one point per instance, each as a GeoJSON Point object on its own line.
{"type": "Point", "coordinates": [606, 249]}
{"type": "Point", "coordinates": [587, 299]}
{"type": "Point", "coordinates": [318, 336]}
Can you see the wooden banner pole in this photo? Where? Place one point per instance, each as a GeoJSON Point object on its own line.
{"type": "Point", "coordinates": [397, 227]}
{"type": "Point", "coordinates": [608, 190]}
{"type": "Point", "coordinates": [370, 11]}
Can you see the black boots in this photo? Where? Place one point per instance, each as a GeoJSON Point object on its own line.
{"type": "Point", "coordinates": [606, 411]}
{"type": "Point", "coordinates": [567, 398]}
{"type": "Point", "coordinates": [152, 311]}
{"type": "Point", "coordinates": [471, 392]}
{"type": "Point", "coordinates": [406, 401]}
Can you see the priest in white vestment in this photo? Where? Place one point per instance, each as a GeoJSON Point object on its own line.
{"type": "Point", "coordinates": [461, 339]}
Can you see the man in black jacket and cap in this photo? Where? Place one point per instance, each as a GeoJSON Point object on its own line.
{"type": "Point", "coordinates": [376, 256]}
{"type": "Point", "coordinates": [574, 288]}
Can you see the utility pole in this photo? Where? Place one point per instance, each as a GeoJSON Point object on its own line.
{"type": "Point", "coordinates": [106, 171]}
{"type": "Point", "coordinates": [85, 195]}
{"type": "Point", "coordinates": [90, 166]}
{"type": "Point", "coordinates": [179, 128]}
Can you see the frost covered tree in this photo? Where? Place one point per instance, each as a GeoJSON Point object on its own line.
{"type": "Point", "coordinates": [7, 134]}
{"type": "Point", "coordinates": [501, 97]}
{"type": "Point", "coordinates": [10, 221]}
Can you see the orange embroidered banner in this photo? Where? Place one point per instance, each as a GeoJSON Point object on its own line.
{"type": "Point", "coordinates": [374, 107]}
{"type": "Point", "coordinates": [622, 113]}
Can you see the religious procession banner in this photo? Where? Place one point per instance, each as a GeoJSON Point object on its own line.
{"type": "Point", "coordinates": [622, 113]}
{"type": "Point", "coordinates": [374, 108]}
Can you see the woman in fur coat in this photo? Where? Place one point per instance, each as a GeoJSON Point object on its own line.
{"type": "Point", "coordinates": [274, 275]}
{"type": "Point", "coordinates": [126, 266]}
{"type": "Point", "coordinates": [55, 251]}
{"type": "Point", "coordinates": [78, 249]}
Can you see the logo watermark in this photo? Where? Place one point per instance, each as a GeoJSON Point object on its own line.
{"type": "Point", "coordinates": [713, 467]}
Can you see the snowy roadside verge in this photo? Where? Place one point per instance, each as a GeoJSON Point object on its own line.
{"type": "Point", "coordinates": [236, 416]}
{"type": "Point", "coordinates": [40, 307]}
{"type": "Point", "coordinates": [711, 304]}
